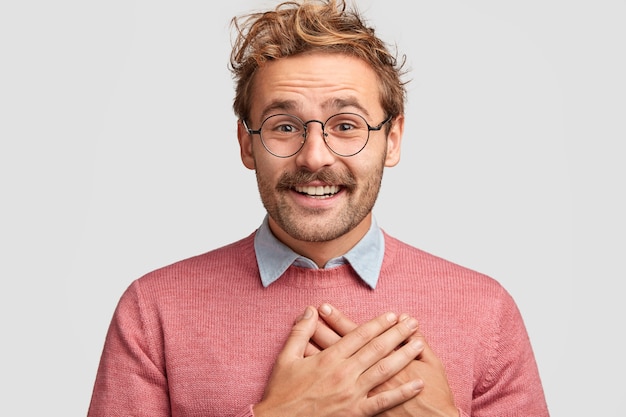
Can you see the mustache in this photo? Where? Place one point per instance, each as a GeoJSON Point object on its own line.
{"type": "Point", "coordinates": [289, 180]}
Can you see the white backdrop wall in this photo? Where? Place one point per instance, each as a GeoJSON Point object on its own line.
{"type": "Point", "coordinates": [118, 155]}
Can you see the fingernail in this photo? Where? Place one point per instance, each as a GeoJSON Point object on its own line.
{"type": "Point", "coordinates": [412, 323]}
{"type": "Point", "coordinates": [417, 385]}
{"type": "Point", "coordinates": [417, 345]}
{"type": "Point", "coordinates": [325, 309]}
{"type": "Point", "coordinates": [391, 318]}
{"type": "Point", "coordinates": [307, 313]}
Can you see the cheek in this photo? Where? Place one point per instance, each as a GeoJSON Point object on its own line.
{"type": "Point", "coordinates": [269, 170]}
{"type": "Point", "coordinates": [368, 166]}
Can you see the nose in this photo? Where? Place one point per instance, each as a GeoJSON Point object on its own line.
{"type": "Point", "coordinates": [315, 154]}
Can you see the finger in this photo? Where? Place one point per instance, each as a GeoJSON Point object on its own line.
{"type": "Point", "coordinates": [363, 335]}
{"type": "Point", "coordinates": [324, 336]}
{"type": "Point", "coordinates": [313, 347]}
{"type": "Point", "coordinates": [389, 366]}
{"type": "Point", "coordinates": [301, 332]}
{"type": "Point", "coordinates": [417, 335]}
{"type": "Point", "coordinates": [336, 320]}
{"type": "Point", "coordinates": [387, 342]}
{"type": "Point", "coordinates": [427, 352]}
{"type": "Point", "coordinates": [428, 355]}
{"type": "Point", "coordinates": [311, 350]}
{"type": "Point", "coordinates": [386, 400]}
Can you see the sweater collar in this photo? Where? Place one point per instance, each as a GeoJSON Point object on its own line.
{"type": "Point", "coordinates": [274, 257]}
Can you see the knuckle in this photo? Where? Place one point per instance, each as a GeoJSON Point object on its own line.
{"type": "Point", "coordinates": [379, 347]}
{"type": "Point", "coordinates": [298, 331]}
{"type": "Point", "coordinates": [362, 334]}
{"type": "Point", "coordinates": [382, 401]}
{"type": "Point", "coordinates": [402, 331]}
{"type": "Point", "coordinates": [382, 368]}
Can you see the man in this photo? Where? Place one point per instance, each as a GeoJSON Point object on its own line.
{"type": "Point", "coordinates": [318, 312]}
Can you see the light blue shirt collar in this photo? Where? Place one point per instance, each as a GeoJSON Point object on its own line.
{"type": "Point", "coordinates": [274, 257]}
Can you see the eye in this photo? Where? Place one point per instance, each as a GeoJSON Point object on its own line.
{"type": "Point", "coordinates": [285, 128]}
{"type": "Point", "coordinates": [341, 125]}
{"type": "Point", "coordinates": [345, 124]}
{"type": "Point", "coordinates": [282, 125]}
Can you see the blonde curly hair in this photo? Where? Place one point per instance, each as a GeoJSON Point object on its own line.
{"type": "Point", "coordinates": [311, 26]}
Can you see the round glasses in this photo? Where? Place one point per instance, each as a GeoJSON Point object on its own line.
{"type": "Point", "coordinates": [345, 134]}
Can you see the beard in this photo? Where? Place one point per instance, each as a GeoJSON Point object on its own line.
{"type": "Point", "coordinates": [318, 225]}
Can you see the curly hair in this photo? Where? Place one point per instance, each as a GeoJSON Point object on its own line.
{"type": "Point", "coordinates": [311, 26]}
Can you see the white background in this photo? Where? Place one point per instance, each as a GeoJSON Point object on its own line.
{"type": "Point", "coordinates": [118, 155]}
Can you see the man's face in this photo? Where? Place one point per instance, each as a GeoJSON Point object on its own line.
{"type": "Point", "coordinates": [317, 86]}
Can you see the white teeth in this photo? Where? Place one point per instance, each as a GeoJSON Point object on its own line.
{"type": "Point", "coordinates": [319, 191]}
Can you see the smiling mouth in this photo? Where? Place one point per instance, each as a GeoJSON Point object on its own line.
{"type": "Point", "coordinates": [319, 191]}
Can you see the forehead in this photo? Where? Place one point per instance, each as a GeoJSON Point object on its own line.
{"type": "Point", "coordinates": [315, 83]}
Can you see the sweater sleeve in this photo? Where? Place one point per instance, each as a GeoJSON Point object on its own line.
{"type": "Point", "coordinates": [131, 376]}
{"type": "Point", "coordinates": [511, 386]}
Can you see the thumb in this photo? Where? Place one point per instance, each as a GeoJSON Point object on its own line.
{"type": "Point", "coordinates": [301, 334]}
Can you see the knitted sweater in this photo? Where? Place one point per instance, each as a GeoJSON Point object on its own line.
{"type": "Point", "coordinates": [199, 337]}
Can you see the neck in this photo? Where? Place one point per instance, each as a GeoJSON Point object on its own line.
{"type": "Point", "coordinates": [322, 252]}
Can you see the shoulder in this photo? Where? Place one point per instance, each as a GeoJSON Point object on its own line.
{"type": "Point", "coordinates": [235, 259]}
{"type": "Point", "coordinates": [433, 270]}
{"type": "Point", "coordinates": [442, 288]}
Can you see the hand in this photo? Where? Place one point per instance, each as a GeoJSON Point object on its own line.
{"type": "Point", "coordinates": [435, 399]}
{"type": "Point", "coordinates": [338, 381]}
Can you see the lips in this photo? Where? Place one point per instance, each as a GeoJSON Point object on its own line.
{"type": "Point", "coordinates": [319, 190]}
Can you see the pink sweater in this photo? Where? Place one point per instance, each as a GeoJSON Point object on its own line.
{"type": "Point", "coordinates": [199, 338]}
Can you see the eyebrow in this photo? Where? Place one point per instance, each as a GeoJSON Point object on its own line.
{"type": "Point", "coordinates": [279, 105]}
{"type": "Point", "coordinates": [289, 106]}
{"type": "Point", "coordinates": [342, 103]}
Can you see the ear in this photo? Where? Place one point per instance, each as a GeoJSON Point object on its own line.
{"type": "Point", "coordinates": [394, 140]}
{"type": "Point", "coordinates": [245, 146]}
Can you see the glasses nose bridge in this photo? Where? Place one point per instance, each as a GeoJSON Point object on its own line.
{"type": "Point", "coordinates": [306, 127]}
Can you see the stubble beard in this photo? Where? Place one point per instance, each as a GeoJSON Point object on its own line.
{"type": "Point", "coordinates": [313, 225]}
